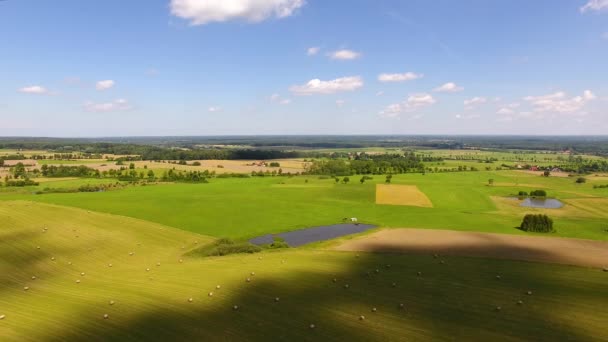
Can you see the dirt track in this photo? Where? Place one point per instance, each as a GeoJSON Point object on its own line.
{"type": "Point", "coordinates": [530, 248]}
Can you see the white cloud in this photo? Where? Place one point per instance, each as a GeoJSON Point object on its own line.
{"type": "Point", "coordinates": [380, 93]}
{"type": "Point", "coordinates": [36, 89]}
{"type": "Point", "coordinates": [200, 12]}
{"type": "Point", "coordinates": [505, 111]}
{"type": "Point", "coordinates": [313, 51]}
{"type": "Point", "coordinates": [316, 86]}
{"type": "Point", "coordinates": [340, 103]}
{"type": "Point", "coordinates": [595, 5]}
{"type": "Point", "coordinates": [214, 109]}
{"type": "Point", "coordinates": [408, 76]}
{"type": "Point", "coordinates": [413, 103]}
{"type": "Point", "coordinates": [344, 55]}
{"type": "Point", "coordinates": [103, 85]}
{"type": "Point", "coordinates": [449, 87]}
{"type": "Point", "coordinates": [559, 103]}
{"type": "Point", "coordinates": [276, 98]}
{"type": "Point", "coordinates": [471, 103]}
{"type": "Point", "coordinates": [114, 106]}
{"type": "Point", "coordinates": [467, 116]}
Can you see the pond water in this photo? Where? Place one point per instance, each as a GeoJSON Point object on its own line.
{"type": "Point", "coordinates": [303, 236]}
{"type": "Point", "coordinates": [547, 203]}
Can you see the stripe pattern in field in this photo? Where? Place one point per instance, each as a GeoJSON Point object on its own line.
{"type": "Point", "coordinates": [394, 194]}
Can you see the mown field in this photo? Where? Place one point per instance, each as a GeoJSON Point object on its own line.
{"type": "Point", "coordinates": [244, 208]}
{"type": "Point", "coordinates": [458, 299]}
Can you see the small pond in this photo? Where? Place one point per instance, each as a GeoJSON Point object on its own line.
{"type": "Point", "coordinates": [303, 236]}
{"type": "Point", "coordinates": [546, 203]}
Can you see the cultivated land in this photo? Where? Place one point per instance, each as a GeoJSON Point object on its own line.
{"type": "Point", "coordinates": [456, 299]}
{"type": "Point", "coordinates": [540, 249]}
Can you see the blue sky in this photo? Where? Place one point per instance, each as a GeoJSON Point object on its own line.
{"type": "Point", "coordinates": [214, 67]}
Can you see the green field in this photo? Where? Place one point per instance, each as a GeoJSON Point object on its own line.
{"type": "Point", "coordinates": [456, 300]}
{"type": "Point", "coordinates": [244, 208]}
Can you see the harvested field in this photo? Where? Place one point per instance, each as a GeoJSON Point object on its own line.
{"type": "Point", "coordinates": [487, 245]}
{"type": "Point", "coordinates": [408, 195]}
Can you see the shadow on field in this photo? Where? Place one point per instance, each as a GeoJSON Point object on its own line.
{"type": "Point", "coordinates": [456, 299]}
{"type": "Point", "coordinates": [14, 257]}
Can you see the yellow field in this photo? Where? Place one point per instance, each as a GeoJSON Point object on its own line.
{"type": "Point", "coordinates": [401, 195]}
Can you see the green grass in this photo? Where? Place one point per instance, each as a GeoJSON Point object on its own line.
{"type": "Point", "coordinates": [244, 208]}
{"type": "Point", "coordinates": [452, 301]}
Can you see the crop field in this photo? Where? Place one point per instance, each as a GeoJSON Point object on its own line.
{"type": "Point", "coordinates": [84, 270]}
{"type": "Point", "coordinates": [401, 195]}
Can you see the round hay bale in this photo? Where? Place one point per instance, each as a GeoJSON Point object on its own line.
{"type": "Point", "coordinates": [519, 302]}
{"type": "Point", "coordinates": [276, 299]}
{"type": "Point", "coordinates": [419, 273]}
{"type": "Point", "coordinates": [248, 280]}
{"type": "Point", "coordinates": [158, 264]}
{"type": "Point", "coordinates": [605, 269]}
{"type": "Point", "coordinates": [53, 258]}
{"type": "Point", "coordinates": [190, 300]}
{"type": "Point", "coordinates": [106, 316]}
{"type": "Point", "coordinates": [69, 262]}
{"type": "Point", "coordinates": [498, 308]}
{"type": "Point", "coordinates": [2, 317]}
{"type": "Point", "coordinates": [112, 302]}
{"type": "Point", "coordinates": [529, 293]}
{"type": "Point", "coordinates": [236, 307]}
{"type": "Point", "coordinates": [442, 262]}
{"type": "Point", "coordinates": [37, 247]}
{"type": "Point", "coordinates": [435, 256]}
{"type": "Point", "coordinates": [401, 306]}
{"type": "Point", "coordinates": [109, 265]}
{"type": "Point", "coordinates": [259, 258]}
{"type": "Point", "coordinates": [252, 273]}
{"type": "Point", "coordinates": [26, 288]}
{"type": "Point", "coordinates": [33, 277]}
{"type": "Point", "coordinates": [394, 284]}
{"type": "Point", "coordinates": [377, 270]}
{"type": "Point", "coordinates": [82, 274]}
{"type": "Point", "coordinates": [77, 281]}
{"type": "Point", "coordinates": [312, 326]}
{"type": "Point", "coordinates": [346, 286]}
{"type": "Point", "coordinates": [131, 253]}
{"type": "Point", "coordinates": [217, 287]}
{"type": "Point", "coordinates": [498, 277]}
{"type": "Point", "coordinates": [282, 261]}
{"type": "Point", "coordinates": [210, 294]}
{"type": "Point", "coordinates": [147, 270]}
{"type": "Point", "coordinates": [374, 309]}
{"type": "Point", "coordinates": [181, 261]}
{"type": "Point", "coordinates": [361, 318]}
{"type": "Point", "coordinates": [356, 256]}
{"type": "Point", "coordinates": [388, 266]}
{"type": "Point", "coordinates": [335, 280]}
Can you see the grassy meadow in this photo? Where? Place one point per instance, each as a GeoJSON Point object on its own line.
{"type": "Point", "coordinates": [458, 299]}
{"type": "Point", "coordinates": [245, 208]}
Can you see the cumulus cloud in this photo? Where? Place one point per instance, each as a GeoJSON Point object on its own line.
{"type": "Point", "coordinates": [413, 103]}
{"type": "Point", "coordinates": [114, 106]}
{"type": "Point", "coordinates": [35, 89]}
{"type": "Point", "coordinates": [472, 103]}
{"type": "Point", "coordinates": [317, 86]}
{"type": "Point", "coordinates": [449, 87]}
{"type": "Point", "coordinates": [277, 98]}
{"type": "Point", "coordinates": [595, 5]}
{"type": "Point", "coordinates": [558, 102]}
{"type": "Point", "coordinates": [214, 109]}
{"type": "Point", "coordinates": [505, 111]}
{"type": "Point", "coordinates": [103, 85]}
{"type": "Point", "coordinates": [408, 76]}
{"type": "Point", "coordinates": [340, 103]}
{"type": "Point", "coordinates": [344, 54]}
{"type": "Point", "coordinates": [311, 51]}
{"type": "Point", "coordinates": [200, 12]}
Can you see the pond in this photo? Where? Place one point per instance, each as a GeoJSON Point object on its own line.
{"type": "Point", "coordinates": [546, 203]}
{"type": "Point", "coordinates": [303, 236]}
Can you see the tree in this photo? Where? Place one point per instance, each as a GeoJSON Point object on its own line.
{"type": "Point", "coordinates": [131, 166]}
{"type": "Point", "coordinates": [491, 181]}
{"type": "Point", "coordinates": [362, 180]}
{"type": "Point", "coordinates": [345, 180]}
{"type": "Point", "coordinates": [388, 179]}
{"type": "Point", "coordinates": [537, 223]}
{"type": "Point", "coordinates": [19, 171]}
{"type": "Point", "coordinates": [581, 180]}
{"type": "Point", "coordinates": [337, 180]}
{"type": "Point", "coordinates": [196, 163]}
{"type": "Point", "coordinates": [1, 162]}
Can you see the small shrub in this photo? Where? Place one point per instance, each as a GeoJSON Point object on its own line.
{"type": "Point", "coordinates": [581, 180]}
{"type": "Point", "coordinates": [196, 163]}
{"type": "Point", "coordinates": [226, 247]}
{"type": "Point", "coordinates": [522, 194]}
{"type": "Point", "coordinates": [537, 223]}
{"type": "Point", "coordinates": [538, 193]}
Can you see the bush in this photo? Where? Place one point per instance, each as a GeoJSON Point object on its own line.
{"type": "Point", "coordinates": [277, 243]}
{"type": "Point", "coordinates": [538, 193]}
{"type": "Point", "coordinates": [537, 223]}
{"type": "Point", "coordinates": [196, 163]}
{"type": "Point", "coordinates": [226, 247]}
{"type": "Point", "coordinates": [581, 180]}
{"type": "Point", "coordinates": [522, 194]}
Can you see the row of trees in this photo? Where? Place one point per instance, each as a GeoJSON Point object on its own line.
{"type": "Point", "coordinates": [537, 223]}
{"type": "Point", "coordinates": [372, 164]}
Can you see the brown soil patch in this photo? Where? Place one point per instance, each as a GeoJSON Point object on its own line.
{"type": "Point", "coordinates": [394, 194]}
{"type": "Point", "coordinates": [488, 245]}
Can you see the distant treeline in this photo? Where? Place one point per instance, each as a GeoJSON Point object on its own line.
{"type": "Point", "coordinates": [370, 164]}
{"type": "Point", "coordinates": [68, 171]}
